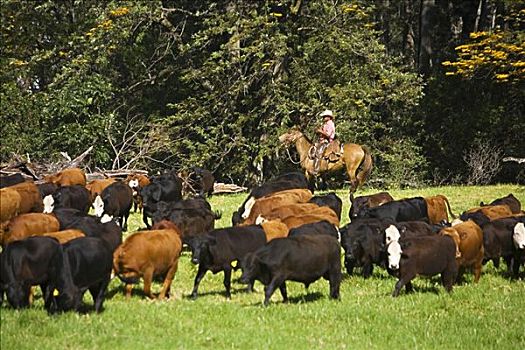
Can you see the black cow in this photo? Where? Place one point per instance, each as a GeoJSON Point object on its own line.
{"type": "Point", "coordinates": [115, 201]}
{"type": "Point", "coordinates": [193, 222]}
{"type": "Point", "coordinates": [315, 228]}
{"type": "Point", "coordinates": [283, 182]}
{"type": "Point", "coordinates": [304, 258]}
{"type": "Point", "coordinates": [427, 256]}
{"type": "Point", "coordinates": [164, 209]}
{"type": "Point", "coordinates": [86, 263]}
{"type": "Point", "coordinates": [26, 263]}
{"type": "Point", "coordinates": [331, 201]}
{"type": "Point", "coordinates": [90, 225]}
{"type": "Point", "coordinates": [411, 209]}
{"type": "Point", "coordinates": [10, 180]}
{"type": "Point", "coordinates": [512, 202]}
{"type": "Point", "coordinates": [166, 187]}
{"type": "Point", "coordinates": [47, 188]}
{"type": "Point", "coordinates": [75, 196]}
{"type": "Point", "coordinates": [198, 181]}
{"type": "Point", "coordinates": [499, 242]}
{"type": "Point", "coordinates": [363, 243]}
{"type": "Point", "coordinates": [370, 201]}
{"type": "Point", "coordinates": [217, 250]}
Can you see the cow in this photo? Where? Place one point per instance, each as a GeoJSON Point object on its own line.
{"type": "Point", "coordinates": [137, 182]}
{"type": "Point", "coordinates": [304, 258]}
{"type": "Point", "coordinates": [115, 201]}
{"type": "Point", "coordinates": [283, 182]}
{"type": "Point", "coordinates": [110, 232]}
{"type": "Point", "coordinates": [164, 209]}
{"type": "Point", "coordinates": [286, 210]}
{"type": "Point", "coordinates": [482, 215]}
{"type": "Point", "coordinates": [330, 200]}
{"type": "Point", "coordinates": [266, 204]}
{"type": "Point", "coordinates": [26, 263]}
{"type": "Point", "coordinates": [147, 254]}
{"type": "Point", "coordinates": [10, 180]}
{"type": "Point", "coordinates": [407, 229]}
{"type": "Point", "coordinates": [218, 249]}
{"type": "Point", "coordinates": [499, 242]}
{"type": "Point", "coordinates": [10, 201]}
{"type": "Point", "coordinates": [363, 243]}
{"type": "Point", "coordinates": [437, 209]}
{"type": "Point", "coordinates": [167, 187]}
{"type": "Point", "coordinates": [427, 256]}
{"type": "Point", "coordinates": [65, 235]}
{"type": "Point", "coordinates": [47, 188]}
{"type": "Point", "coordinates": [95, 187]}
{"type": "Point", "coordinates": [191, 221]}
{"type": "Point", "coordinates": [67, 177]}
{"type": "Point", "coordinates": [468, 238]}
{"type": "Point", "coordinates": [274, 229]}
{"type": "Point", "coordinates": [512, 202]}
{"type": "Point", "coordinates": [370, 201]}
{"type": "Point", "coordinates": [75, 196]}
{"type": "Point", "coordinates": [197, 181]}
{"type": "Point", "coordinates": [518, 238]}
{"type": "Point", "coordinates": [27, 225]}
{"type": "Point", "coordinates": [85, 263]}
{"type": "Point", "coordinates": [30, 198]}
{"type": "Point", "coordinates": [315, 228]}
{"type": "Point", "coordinates": [319, 214]}
{"type": "Point", "coordinates": [411, 209]}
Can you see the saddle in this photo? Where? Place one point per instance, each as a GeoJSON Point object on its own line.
{"type": "Point", "coordinates": [331, 153]}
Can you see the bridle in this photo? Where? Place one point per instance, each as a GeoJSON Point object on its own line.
{"type": "Point", "coordinates": [288, 150]}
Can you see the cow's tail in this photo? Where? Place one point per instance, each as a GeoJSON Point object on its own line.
{"type": "Point", "coordinates": [365, 166]}
{"type": "Point", "coordinates": [448, 207]}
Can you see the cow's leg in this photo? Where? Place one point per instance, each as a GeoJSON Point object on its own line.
{"type": "Point", "coordinates": [284, 293]}
{"type": "Point", "coordinates": [148, 279]}
{"type": "Point", "coordinates": [368, 268]}
{"type": "Point", "coordinates": [335, 283]}
{"type": "Point", "coordinates": [200, 274]}
{"type": "Point", "coordinates": [403, 280]}
{"type": "Point", "coordinates": [145, 220]}
{"type": "Point", "coordinates": [408, 287]}
{"type": "Point", "coordinates": [516, 265]}
{"type": "Point", "coordinates": [47, 293]}
{"type": "Point", "coordinates": [169, 279]}
{"type": "Point", "coordinates": [268, 291]}
{"type": "Point", "coordinates": [227, 281]}
{"type": "Point", "coordinates": [128, 289]}
{"type": "Point", "coordinates": [98, 293]}
{"type": "Point", "coordinates": [477, 271]}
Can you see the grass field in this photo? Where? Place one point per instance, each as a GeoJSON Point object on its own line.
{"type": "Point", "coordinates": [487, 315]}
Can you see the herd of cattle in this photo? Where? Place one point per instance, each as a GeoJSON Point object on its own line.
{"type": "Point", "coordinates": [281, 232]}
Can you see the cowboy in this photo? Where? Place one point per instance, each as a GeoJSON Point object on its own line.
{"type": "Point", "coordinates": [326, 136]}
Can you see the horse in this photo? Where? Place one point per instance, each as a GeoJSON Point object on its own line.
{"type": "Point", "coordinates": [353, 157]}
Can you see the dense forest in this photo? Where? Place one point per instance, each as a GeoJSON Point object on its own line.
{"type": "Point", "coordinates": [435, 88]}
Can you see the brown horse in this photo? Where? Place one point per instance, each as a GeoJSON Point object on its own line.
{"type": "Point", "coordinates": [352, 156]}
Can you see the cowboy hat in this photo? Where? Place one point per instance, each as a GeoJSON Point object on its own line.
{"type": "Point", "coordinates": [328, 113]}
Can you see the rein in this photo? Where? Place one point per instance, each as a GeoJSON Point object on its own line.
{"type": "Point", "coordinates": [290, 156]}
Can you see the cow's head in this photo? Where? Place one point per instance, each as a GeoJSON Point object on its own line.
{"type": "Point", "coordinates": [394, 252]}
{"type": "Point", "coordinates": [49, 204]}
{"type": "Point", "coordinates": [67, 300]}
{"type": "Point", "coordinates": [392, 234]}
{"type": "Point", "coordinates": [98, 205]}
{"type": "Point", "coordinates": [519, 235]}
{"type": "Point", "coordinates": [200, 248]}
{"type": "Point", "coordinates": [248, 207]}
{"type": "Point", "coordinates": [18, 294]}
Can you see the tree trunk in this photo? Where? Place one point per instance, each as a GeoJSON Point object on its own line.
{"type": "Point", "coordinates": [409, 48]}
{"type": "Point", "coordinates": [425, 37]}
{"type": "Point", "coordinates": [478, 16]}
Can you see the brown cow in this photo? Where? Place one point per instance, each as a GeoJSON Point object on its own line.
{"type": "Point", "coordinates": [9, 204]}
{"type": "Point", "coordinates": [468, 238]}
{"type": "Point", "coordinates": [266, 204]}
{"type": "Point", "coordinates": [65, 235]}
{"type": "Point", "coordinates": [137, 182]}
{"type": "Point", "coordinates": [513, 203]}
{"type": "Point", "coordinates": [481, 215]}
{"type": "Point", "coordinates": [370, 201]}
{"type": "Point", "coordinates": [67, 177]}
{"type": "Point", "coordinates": [274, 229]}
{"type": "Point", "coordinates": [437, 209]}
{"type": "Point", "coordinates": [147, 254]}
{"type": "Point", "coordinates": [30, 197]}
{"type": "Point", "coordinates": [27, 225]}
{"type": "Point", "coordinates": [96, 187]}
{"type": "Point", "coordinates": [287, 210]}
{"type": "Point", "coordinates": [320, 214]}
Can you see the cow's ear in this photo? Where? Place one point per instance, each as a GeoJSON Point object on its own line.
{"type": "Point", "coordinates": [403, 229]}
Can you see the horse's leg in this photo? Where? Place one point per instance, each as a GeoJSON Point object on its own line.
{"type": "Point", "coordinates": [351, 170]}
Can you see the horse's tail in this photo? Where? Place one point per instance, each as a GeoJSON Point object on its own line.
{"type": "Point", "coordinates": [365, 166]}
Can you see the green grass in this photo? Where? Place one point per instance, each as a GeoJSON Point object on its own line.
{"type": "Point", "coordinates": [486, 315]}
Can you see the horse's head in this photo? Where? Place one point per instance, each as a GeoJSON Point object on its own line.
{"type": "Point", "coordinates": [290, 136]}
